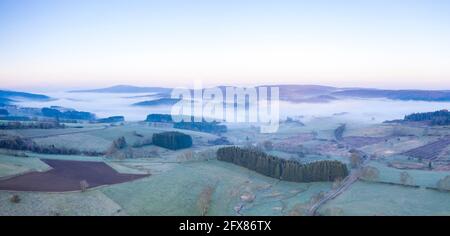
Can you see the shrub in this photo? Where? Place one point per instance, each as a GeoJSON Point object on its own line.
{"type": "Point", "coordinates": [119, 143]}
{"type": "Point", "coordinates": [119, 149]}
{"type": "Point", "coordinates": [84, 185]}
{"type": "Point", "coordinates": [370, 173]}
{"type": "Point", "coordinates": [406, 179]}
{"type": "Point", "coordinates": [355, 160]}
{"type": "Point", "coordinates": [444, 184]}
{"type": "Point", "coordinates": [15, 198]}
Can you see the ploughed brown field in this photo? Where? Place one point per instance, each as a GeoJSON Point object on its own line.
{"type": "Point", "coordinates": [67, 176]}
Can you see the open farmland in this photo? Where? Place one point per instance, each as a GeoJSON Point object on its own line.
{"type": "Point", "coordinates": [375, 199]}
{"type": "Point", "coordinates": [11, 166]}
{"type": "Point", "coordinates": [429, 151]}
{"type": "Point", "coordinates": [358, 141]}
{"type": "Point", "coordinates": [181, 182]}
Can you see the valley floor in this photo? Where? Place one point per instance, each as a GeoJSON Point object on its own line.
{"type": "Point", "coordinates": [193, 182]}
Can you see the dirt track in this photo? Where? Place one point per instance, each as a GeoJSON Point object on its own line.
{"type": "Point", "coordinates": [66, 176]}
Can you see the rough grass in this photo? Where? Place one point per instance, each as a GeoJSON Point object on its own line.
{"type": "Point", "coordinates": [81, 141]}
{"type": "Point", "coordinates": [364, 198]}
{"type": "Point", "coordinates": [10, 165]}
{"type": "Point", "coordinates": [50, 204]}
{"type": "Point", "coordinates": [171, 192]}
{"type": "Point", "coordinates": [423, 178]}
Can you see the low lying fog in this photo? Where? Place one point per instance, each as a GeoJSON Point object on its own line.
{"type": "Point", "coordinates": [366, 110]}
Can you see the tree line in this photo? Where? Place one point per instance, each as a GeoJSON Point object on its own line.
{"type": "Point", "coordinates": [31, 125]}
{"type": "Point", "coordinates": [26, 144]}
{"type": "Point", "coordinates": [207, 127]}
{"type": "Point", "coordinates": [70, 114]}
{"type": "Point", "coordinates": [441, 117]}
{"type": "Point", "coordinates": [288, 170]}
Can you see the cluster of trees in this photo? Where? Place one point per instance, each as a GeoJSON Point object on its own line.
{"type": "Point", "coordinates": [31, 125]}
{"type": "Point", "coordinates": [339, 132]}
{"type": "Point", "coordinates": [356, 158]}
{"type": "Point", "coordinates": [220, 141]}
{"type": "Point", "coordinates": [25, 144]}
{"type": "Point", "coordinates": [4, 112]}
{"type": "Point", "coordinates": [71, 114]}
{"type": "Point", "coordinates": [112, 119]}
{"type": "Point", "coordinates": [163, 118]}
{"type": "Point", "coordinates": [16, 143]}
{"type": "Point", "coordinates": [158, 102]}
{"type": "Point", "coordinates": [207, 127]}
{"type": "Point", "coordinates": [119, 149]}
{"type": "Point", "coordinates": [16, 118]}
{"type": "Point", "coordinates": [289, 170]}
{"type": "Point", "coordinates": [172, 140]}
{"type": "Point", "coordinates": [441, 117]}
{"type": "Point", "coordinates": [203, 126]}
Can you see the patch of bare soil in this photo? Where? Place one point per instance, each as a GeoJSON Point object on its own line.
{"type": "Point", "coordinates": [67, 176]}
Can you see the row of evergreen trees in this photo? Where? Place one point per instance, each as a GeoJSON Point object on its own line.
{"type": "Point", "coordinates": [71, 114]}
{"type": "Point", "coordinates": [26, 144]}
{"type": "Point", "coordinates": [172, 140]}
{"type": "Point", "coordinates": [207, 127]}
{"type": "Point", "coordinates": [288, 170]}
{"type": "Point", "coordinates": [441, 117]}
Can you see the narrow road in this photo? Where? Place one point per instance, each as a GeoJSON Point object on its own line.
{"type": "Point", "coordinates": [346, 183]}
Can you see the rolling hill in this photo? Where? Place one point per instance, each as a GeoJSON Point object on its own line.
{"type": "Point", "coordinates": [126, 89]}
{"type": "Point", "coordinates": [7, 96]}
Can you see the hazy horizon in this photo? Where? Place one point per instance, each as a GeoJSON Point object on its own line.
{"type": "Point", "coordinates": [58, 45]}
{"type": "Point", "coordinates": [47, 89]}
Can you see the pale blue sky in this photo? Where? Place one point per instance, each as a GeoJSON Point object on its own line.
{"type": "Point", "coordinates": [61, 43]}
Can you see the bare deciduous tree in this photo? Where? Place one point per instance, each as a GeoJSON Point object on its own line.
{"type": "Point", "coordinates": [370, 173]}
{"type": "Point", "coordinates": [444, 184]}
{"type": "Point", "coordinates": [406, 179]}
{"type": "Point", "coordinates": [355, 160]}
{"type": "Point", "coordinates": [84, 185]}
{"type": "Point", "coordinates": [15, 198]}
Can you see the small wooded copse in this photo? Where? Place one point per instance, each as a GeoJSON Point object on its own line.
{"type": "Point", "coordinates": [172, 140]}
{"type": "Point", "coordinates": [288, 170]}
